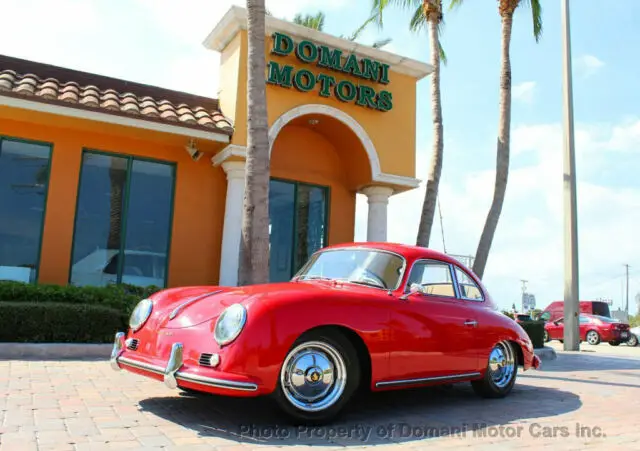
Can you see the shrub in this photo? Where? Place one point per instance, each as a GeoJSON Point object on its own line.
{"type": "Point", "coordinates": [54, 322]}
{"type": "Point", "coordinates": [535, 330]}
{"type": "Point", "coordinates": [119, 297]}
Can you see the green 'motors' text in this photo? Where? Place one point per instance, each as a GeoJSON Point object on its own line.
{"type": "Point", "coordinates": [327, 85]}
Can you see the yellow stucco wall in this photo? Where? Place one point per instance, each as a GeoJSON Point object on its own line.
{"type": "Point", "coordinates": [392, 132]}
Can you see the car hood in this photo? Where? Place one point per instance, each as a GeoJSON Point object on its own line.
{"type": "Point", "coordinates": [193, 309]}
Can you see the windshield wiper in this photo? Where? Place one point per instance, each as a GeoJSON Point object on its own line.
{"type": "Point", "coordinates": [364, 282]}
{"type": "Point", "coordinates": [315, 278]}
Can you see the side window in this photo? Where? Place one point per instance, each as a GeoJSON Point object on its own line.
{"type": "Point", "coordinates": [545, 316]}
{"type": "Point", "coordinates": [468, 288]}
{"type": "Point", "coordinates": [433, 277]}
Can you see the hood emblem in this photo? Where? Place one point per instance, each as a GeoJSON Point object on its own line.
{"type": "Point", "coordinates": [182, 306]}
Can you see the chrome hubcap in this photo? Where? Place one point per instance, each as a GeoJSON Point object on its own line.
{"type": "Point", "coordinates": [502, 364]}
{"type": "Point", "coordinates": [592, 338]}
{"type": "Point", "coordinates": [313, 376]}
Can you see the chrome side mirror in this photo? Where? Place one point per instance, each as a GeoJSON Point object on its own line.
{"type": "Point", "coordinates": [413, 289]}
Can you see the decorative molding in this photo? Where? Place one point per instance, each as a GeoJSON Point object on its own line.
{"type": "Point", "coordinates": [236, 19]}
{"type": "Point", "coordinates": [232, 150]}
{"type": "Point", "coordinates": [377, 194]}
{"type": "Point", "coordinates": [111, 119]}
{"type": "Point", "coordinates": [234, 169]}
{"type": "Point", "coordinates": [376, 173]}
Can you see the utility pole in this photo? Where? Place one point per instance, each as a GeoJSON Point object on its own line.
{"type": "Point", "coordinates": [571, 274]}
{"type": "Point", "coordinates": [626, 309]}
{"type": "Point", "coordinates": [524, 285]}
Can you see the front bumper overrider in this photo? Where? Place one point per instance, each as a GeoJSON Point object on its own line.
{"type": "Point", "coordinates": [173, 372]}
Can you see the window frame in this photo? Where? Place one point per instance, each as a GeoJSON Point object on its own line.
{"type": "Point", "coordinates": [454, 281]}
{"type": "Point", "coordinates": [51, 147]}
{"type": "Point", "coordinates": [327, 209]}
{"type": "Point", "coordinates": [130, 158]}
{"type": "Point", "coordinates": [484, 297]}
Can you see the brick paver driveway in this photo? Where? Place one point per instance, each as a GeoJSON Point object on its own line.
{"type": "Point", "coordinates": [577, 401]}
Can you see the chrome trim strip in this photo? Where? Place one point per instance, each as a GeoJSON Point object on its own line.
{"type": "Point", "coordinates": [452, 377]}
{"type": "Point", "coordinates": [219, 383]}
{"type": "Point", "coordinates": [184, 305]}
{"type": "Point", "coordinates": [193, 378]}
{"type": "Point", "coordinates": [141, 366]}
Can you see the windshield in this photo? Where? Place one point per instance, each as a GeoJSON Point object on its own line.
{"type": "Point", "coordinates": [370, 267]}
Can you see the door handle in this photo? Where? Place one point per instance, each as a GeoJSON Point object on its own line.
{"type": "Point", "coordinates": [471, 323]}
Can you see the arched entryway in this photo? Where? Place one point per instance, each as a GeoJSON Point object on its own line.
{"type": "Point", "coordinates": [320, 159]}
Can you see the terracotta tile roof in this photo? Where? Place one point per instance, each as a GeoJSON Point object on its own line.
{"type": "Point", "coordinates": [66, 87]}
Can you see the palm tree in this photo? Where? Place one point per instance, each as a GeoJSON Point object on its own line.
{"type": "Point", "coordinates": [254, 245]}
{"type": "Point", "coordinates": [426, 13]}
{"type": "Point", "coordinates": [316, 22]}
{"type": "Point", "coordinates": [506, 9]}
{"type": "Point", "coordinates": [310, 21]}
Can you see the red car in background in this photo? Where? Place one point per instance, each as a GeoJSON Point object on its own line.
{"type": "Point", "coordinates": [593, 330]}
{"type": "Point", "coordinates": [375, 316]}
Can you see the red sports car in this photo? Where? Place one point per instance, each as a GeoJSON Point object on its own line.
{"type": "Point", "coordinates": [376, 316]}
{"type": "Point", "coordinates": [593, 330]}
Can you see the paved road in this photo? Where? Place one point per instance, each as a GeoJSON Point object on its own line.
{"type": "Point", "coordinates": [602, 349]}
{"type": "Point", "coordinates": [577, 401]}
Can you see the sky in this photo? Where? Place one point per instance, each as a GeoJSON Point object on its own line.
{"type": "Point", "coordinates": [159, 42]}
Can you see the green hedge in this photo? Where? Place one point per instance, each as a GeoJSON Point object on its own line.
{"type": "Point", "coordinates": [535, 330]}
{"type": "Point", "coordinates": [54, 322]}
{"type": "Point", "coordinates": [119, 297]}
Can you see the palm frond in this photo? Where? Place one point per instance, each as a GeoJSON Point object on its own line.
{"type": "Point", "coordinates": [455, 4]}
{"type": "Point", "coordinates": [381, 43]}
{"type": "Point", "coordinates": [536, 17]}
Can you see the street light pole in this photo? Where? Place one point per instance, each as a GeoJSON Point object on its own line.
{"type": "Point", "coordinates": [571, 295]}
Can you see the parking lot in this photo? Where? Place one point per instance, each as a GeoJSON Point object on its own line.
{"type": "Point", "coordinates": [579, 400]}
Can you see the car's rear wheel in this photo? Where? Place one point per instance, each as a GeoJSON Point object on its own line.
{"type": "Point", "coordinates": [546, 337]}
{"type": "Point", "coordinates": [632, 341]}
{"type": "Point", "coordinates": [319, 375]}
{"type": "Point", "coordinates": [593, 337]}
{"type": "Point", "coordinates": [500, 376]}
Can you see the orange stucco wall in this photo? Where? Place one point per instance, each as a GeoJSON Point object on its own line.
{"type": "Point", "coordinates": [198, 205]}
{"type": "Point", "coordinates": [306, 156]}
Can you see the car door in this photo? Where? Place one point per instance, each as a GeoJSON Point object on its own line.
{"type": "Point", "coordinates": [556, 329]}
{"type": "Point", "coordinates": [431, 329]}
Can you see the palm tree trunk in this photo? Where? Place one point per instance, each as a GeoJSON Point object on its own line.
{"type": "Point", "coordinates": [254, 246]}
{"type": "Point", "coordinates": [433, 180]}
{"type": "Point", "coordinates": [502, 157]}
{"type": "Point", "coordinates": [117, 177]}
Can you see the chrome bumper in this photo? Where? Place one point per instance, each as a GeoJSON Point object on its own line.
{"type": "Point", "coordinates": [171, 372]}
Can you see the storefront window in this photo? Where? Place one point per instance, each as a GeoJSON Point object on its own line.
{"type": "Point", "coordinates": [24, 180]}
{"type": "Point", "coordinates": [123, 221]}
{"type": "Point", "coordinates": [298, 226]}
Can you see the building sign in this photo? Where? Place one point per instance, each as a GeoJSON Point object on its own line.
{"type": "Point", "coordinates": [328, 82]}
{"type": "Point", "coordinates": [528, 302]}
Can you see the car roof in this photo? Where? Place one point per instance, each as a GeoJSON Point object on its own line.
{"type": "Point", "coordinates": [409, 251]}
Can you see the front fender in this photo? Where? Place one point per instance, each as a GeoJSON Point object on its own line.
{"type": "Point", "coordinates": [272, 329]}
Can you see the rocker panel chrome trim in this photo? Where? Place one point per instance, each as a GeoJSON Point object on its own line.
{"type": "Point", "coordinates": [422, 380]}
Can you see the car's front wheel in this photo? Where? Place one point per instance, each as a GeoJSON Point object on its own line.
{"type": "Point", "coordinates": [319, 375]}
{"type": "Point", "coordinates": [632, 341]}
{"type": "Point", "coordinates": [546, 337]}
{"type": "Point", "coordinates": [501, 372]}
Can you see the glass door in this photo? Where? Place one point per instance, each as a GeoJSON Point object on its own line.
{"type": "Point", "coordinates": [298, 225]}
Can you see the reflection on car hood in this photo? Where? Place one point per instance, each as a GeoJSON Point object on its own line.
{"type": "Point", "coordinates": [207, 305]}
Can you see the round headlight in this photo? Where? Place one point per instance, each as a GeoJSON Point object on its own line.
{"type": "Point", "coordinates": [140, 314]}
{"type": "Point", "coordinates": [230, 324]}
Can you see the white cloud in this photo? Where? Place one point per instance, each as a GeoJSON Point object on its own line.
{"type": "Point", "coordinates": [524, 91]}
{"type": "Point", "coordinates": [528, 242]}
{"type": "Point", "coordinates": [587, 65]}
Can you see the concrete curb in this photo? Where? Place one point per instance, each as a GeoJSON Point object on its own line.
{"type": "Point", "coordinates": [546, 353]}
{"type": "Point", "coordinates": [54, 351]}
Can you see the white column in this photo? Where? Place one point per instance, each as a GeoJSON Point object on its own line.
{"type": "Point", "coordinates": [378, 198]}
{"type": "Point", "coordinates": [231, 233]}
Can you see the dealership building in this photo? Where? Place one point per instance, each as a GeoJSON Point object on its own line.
{"type": "Point", "coordinates": [104, 180]}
